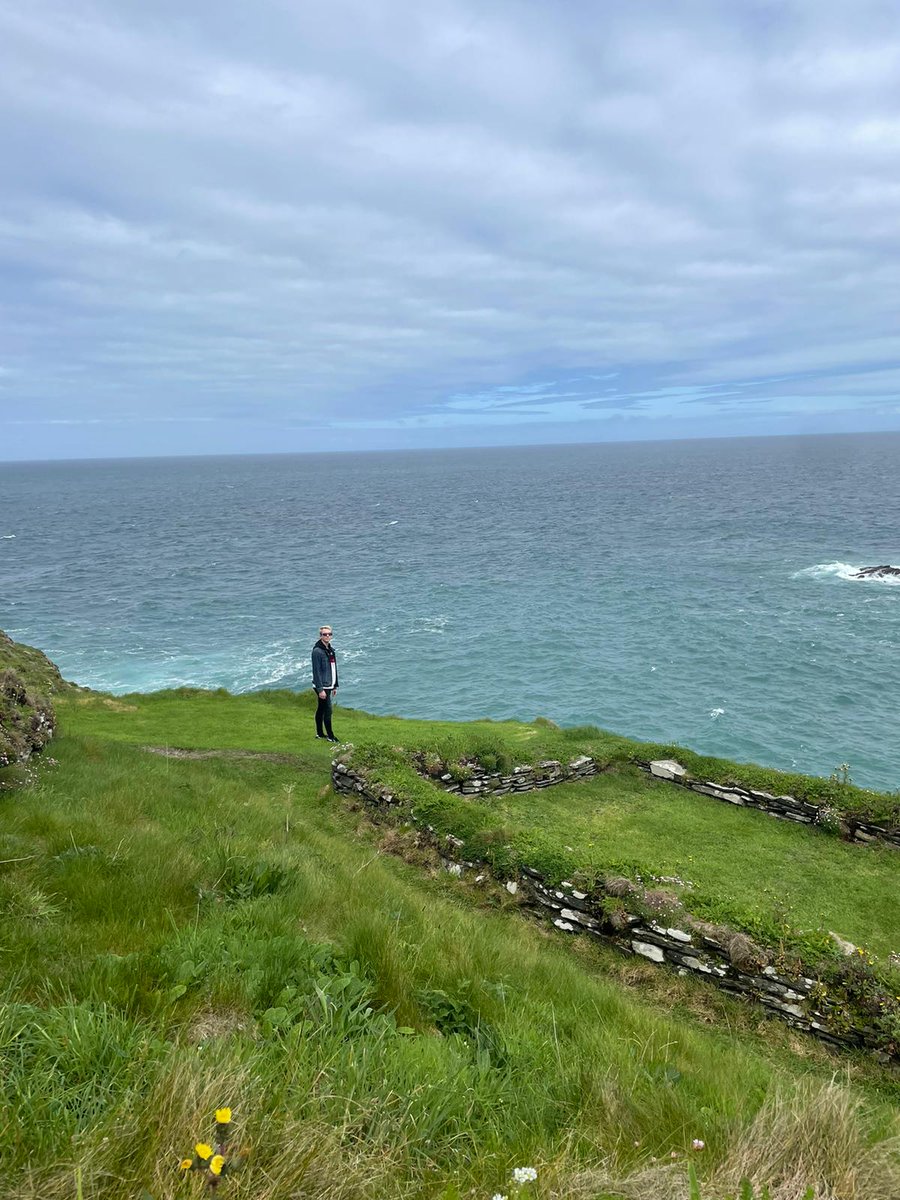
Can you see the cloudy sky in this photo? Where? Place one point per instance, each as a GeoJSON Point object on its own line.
{"type": "Point", "coordinates": [228, 227]}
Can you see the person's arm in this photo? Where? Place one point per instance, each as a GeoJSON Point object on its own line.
{"type": "Point", "coordinates": [318, 681]}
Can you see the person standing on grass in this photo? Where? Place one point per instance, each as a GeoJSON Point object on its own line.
{"type": "Point", "coordinates": [325, 682]}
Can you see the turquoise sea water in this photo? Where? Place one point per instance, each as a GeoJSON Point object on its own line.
{"type": "Point", "coordinates": [689, 591]}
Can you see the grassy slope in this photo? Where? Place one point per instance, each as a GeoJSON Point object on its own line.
{"type": "Point", "coordinates": [744, 865]}
{"type": "Point", "coordinates": [38, 673]}
{"type": "Point", "coordinates": [165, 924]}
{"type": "Point", "coordinates": [28, 681]}
{"type": "Point", "coordinates": [274, 721]}
{"type": "Point", "coordinates": [748, 869]}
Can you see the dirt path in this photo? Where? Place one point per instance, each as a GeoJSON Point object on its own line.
{"type": "Point", "coordinates": [291, 760]}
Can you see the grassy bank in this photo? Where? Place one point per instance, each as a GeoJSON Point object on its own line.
{"type": "Point", "coordinates": [773, 879]}
{"type": "Point", "coordinates": [179, 934]}
{"type": "Point", "coordinates": [28, 683]}
{"type": "Point", "coordinates": [769, 877]}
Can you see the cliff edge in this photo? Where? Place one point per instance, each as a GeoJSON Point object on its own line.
{"type": "Point", "coordinates": [28, 681]}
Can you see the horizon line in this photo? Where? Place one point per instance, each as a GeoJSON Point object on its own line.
{"type": "Point", "coordinates": [731, 437]}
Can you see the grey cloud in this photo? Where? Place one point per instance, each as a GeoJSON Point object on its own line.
{"type": "Point", "coordinates": [360, 214]}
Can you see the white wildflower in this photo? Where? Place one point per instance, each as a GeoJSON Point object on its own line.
{"type": "Point", "coordinates": [497, 1196]}
{"type": "Point", "coordinates": [696, 1144]}
{"type": "Point", "coordinates": [524, 1174]}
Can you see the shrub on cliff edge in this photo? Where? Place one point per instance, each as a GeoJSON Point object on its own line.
{"type": "Point", "coordinates": [27, 681]}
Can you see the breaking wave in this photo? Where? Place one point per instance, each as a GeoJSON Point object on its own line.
{"type": "Point", "coordinates": [842, 570]}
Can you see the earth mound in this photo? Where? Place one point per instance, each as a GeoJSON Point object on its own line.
{"type": "Point", "coordinates": [28, 680]}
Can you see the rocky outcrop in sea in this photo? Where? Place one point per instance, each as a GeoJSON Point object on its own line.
{"type": "Point", "coordinates": [883, 572]}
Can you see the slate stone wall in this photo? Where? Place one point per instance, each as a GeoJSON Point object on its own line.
{"type": "Point", "coordinates": [721, 956]}
{"type": "Point", "coordinates": [550, 772]}
{"type": "Point", "coordinates": [788, 808]}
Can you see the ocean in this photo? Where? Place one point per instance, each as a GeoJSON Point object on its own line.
{"type": "Point", "coordinates": [697, 592]}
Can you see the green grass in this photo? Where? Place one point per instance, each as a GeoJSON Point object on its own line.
{"type": "Point", "coordinates": [176, 935]}
{"type": "Point", "coordinates": [777, 881]}
{"type": "Point", "coordinates": [837, 791]}
{"type": "Point", "coordinates": [283, 721]}
{"type": "Point", "coordinates": [33, 667]}
{"type": "Point", "coordinates": [27, 681]}
{"type": "Point", "coordinates": [275, 721]}
{"type": "Point", "coordinates": [745, 867]}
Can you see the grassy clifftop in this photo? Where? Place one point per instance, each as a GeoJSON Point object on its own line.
{"type": "Point", "coordinates": [28, 682]}
{"type": "Point", "coordinates": [190, 918]}
{"type": "Point", "coordinates": [186, 929]}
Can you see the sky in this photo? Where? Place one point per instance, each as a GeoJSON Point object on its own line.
{"type": "Point", "coordinates": [286, 226]}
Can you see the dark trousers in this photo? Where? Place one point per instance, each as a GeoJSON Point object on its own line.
{"type": "Point", "coordinates": [323, 714]}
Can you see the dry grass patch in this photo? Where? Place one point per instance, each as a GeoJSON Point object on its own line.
{"type": "Point", "coordinates": [815, 1136]}
{"type": "Point", "coordinates": [107, 702]}
{"type": "Point", "coordinates": [211, 1024]}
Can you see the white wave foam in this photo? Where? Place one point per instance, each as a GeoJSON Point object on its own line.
{"type": "Point", "coordinates": [842, 570]}
{"type": "Point", "coordinates": [715, 713]}
{"type": "Point", "coordinates": [6, 537]}
{"type": "Point", "coordinates": [435, 624]}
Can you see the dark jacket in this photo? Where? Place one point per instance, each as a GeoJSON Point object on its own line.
{"type": "Point", "coordinates": [322, 658]}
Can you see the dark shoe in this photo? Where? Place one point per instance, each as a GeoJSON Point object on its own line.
{"type": "Point", "coordinates": [332, 738]}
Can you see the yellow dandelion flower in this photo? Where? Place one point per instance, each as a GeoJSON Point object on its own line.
{"type": "Point", "coordinates": [203, 1151]}
{"type": "Point", "coordinates": [223, 1115]}
{"type": "Point", "coordinates": [185, 1164]}
{"type": "Point", "coordinates": [217, 1164]}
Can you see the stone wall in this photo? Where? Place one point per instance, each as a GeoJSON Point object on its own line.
{"type": "Point", "coordinates": [689, 946]}
{"type": "Point", "coordinates": [689, 952]}
{"type": "Point", "coordinates": [550, 772]}
{"type": "Point", "coordinates": [788, 808]}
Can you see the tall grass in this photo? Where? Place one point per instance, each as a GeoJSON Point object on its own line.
{"type": "Point", "coordinates": [180, 935]}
